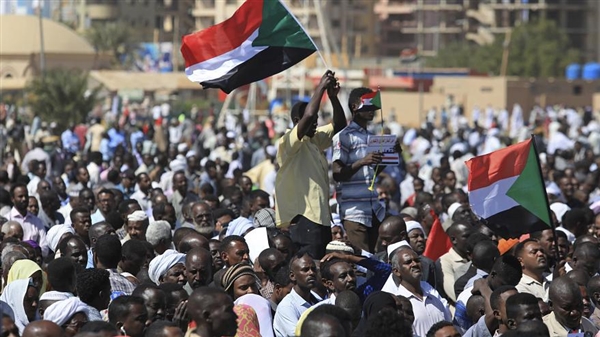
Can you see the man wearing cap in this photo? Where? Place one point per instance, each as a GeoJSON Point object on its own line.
{"type": "Point", "coordinates": [302, 183]}
{"type": "Point", "coordinates": [354, 170]}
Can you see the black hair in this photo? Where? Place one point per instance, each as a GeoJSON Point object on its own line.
{"type": "Point", "coordinates": [355, 97]}
{"type": "Point", "coordinates": [90, 282]}
{"type": "Point", "coordinates": [207, 188]}
{"type": "Point", "coordinates": [222, 212]}
{"type": "Point", "coordinates": [282, 277]}
{"type": "Point", "coordinates": [388, 322]}
{"type": "Point", "coordinates": [210, 164]}
{"type": "Point", "coordinates": [78, 209]}
{"type": "Point", "coordinates": [298, 110]}
{"type": "Point", "coordinates": [509, 269]}
{"type": "Point", "coordinates": [120, 307]}
{"type": "Point", "coordinates": [140, 289]}
{"type": "Point", "coordinates": [113, 176]}
{"type": "Point", "coordinates": [114, 219]}
{"type": "Point", "coordinates": [474, 239]}
{"type": "Point", "coordinates": [99, 326]}
{"type": "Point", "coordinates": [437, 326]}
{"type": "Point", "coordinates": [60, 274]}
{"type": "Point", "coordinates": [349, 301]}
{"type": "Point", "coordinates": [133, 250]}
{"type": "Point", "coordinates": [495, 296]}
{"type": "Point", "coordinates": [259, 194]}
{"type": "Point", "coordinates": [124, 206]}
{"type": "Point", "coordinates": [138, 178]}
{"type": "Point", "coordinates": [484, 254]}
{"type": "Point", "coordinates": [157, 327]}
{"type": "Point", "coordinates": [514, 303]}
{"type": "Point", "coordinates": [108, 250]}
{"type": "Point", "coordinates": [180, 233]}
{"type": "Point", "coordinates": [15, 186]}
{"type": "Point", "coordinates": [63, 245]}
{"type": "Point", "coordinates": [106, 191]}
{"type": "Point", "coordinates": [518, 250]}
{"type": "Point", "coordinates": [229, 239]}
{"type": "Point", "coordinates": [326, 268]}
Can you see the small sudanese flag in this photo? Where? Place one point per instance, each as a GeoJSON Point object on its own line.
{"type": "Point", "coordinates": [261, 39]}
{"type": "Point", "coordinates": [507, 190]}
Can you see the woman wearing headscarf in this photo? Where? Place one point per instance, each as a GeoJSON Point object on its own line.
{"type": "Point", "coordinates": [375, 302]}
{"type": "Point", "coordinates": [247, 322]}
{"type": "Point", "coordinates": [262, 308]}
{"type": "Point", "coordinates": [26, 269]}
{"type": "Point", "coordinates": [239, 280]}
{"type": "Point", "coordinates": [22, 297]}
{"type": "Point", "coordinates": [168, 268]}
{"type": "Point", "coordinates": [69, 314]}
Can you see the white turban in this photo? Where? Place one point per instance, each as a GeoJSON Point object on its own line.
{"type": "Point", "coordinates": [13, 295]}
{"type": "Point", "coordinates": [55, 296]}
{"type": "Point", "coordinates": [453, 209]}
{"type": "Point", "coordinates": [137, 216]}
{"type": "Point", "coordinates": [178, 164]}
{"type": "Point", "coordinates": [239, 226]}
{"type": "Point", "coordinates": [62, 311]}
{"type": "Point", "coordinates": [559, 210]}
{"type": "Point", "coordinates": [410, 225]}
{"type": "Point", "coordinates": [55, 233]}
{"type": "Point", "coordinates": [162, 263]}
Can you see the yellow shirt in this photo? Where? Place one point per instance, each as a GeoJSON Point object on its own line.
{"type": "Point", "coordinates": [302, 183]}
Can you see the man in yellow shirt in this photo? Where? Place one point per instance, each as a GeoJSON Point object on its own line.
{"type": "Point", "coordinates": [302, 183]}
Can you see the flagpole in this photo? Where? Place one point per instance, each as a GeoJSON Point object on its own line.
{"type": "Point", "coordinates": [556, 254]}
{"type": "Point", "coordinates": [371, 188]}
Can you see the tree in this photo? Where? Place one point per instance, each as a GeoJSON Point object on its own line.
{"type": "Point", "coordinates": [62, 96]}
{"type": "Point", "coordinates": [537, 49]}
{"type": "Point", "coordinates": [112, 38]}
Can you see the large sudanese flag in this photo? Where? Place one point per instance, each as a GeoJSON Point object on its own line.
{"type": "Point", "coordinates": [506, 189]}
{"type": "Point", "coordinates": [261, 39]}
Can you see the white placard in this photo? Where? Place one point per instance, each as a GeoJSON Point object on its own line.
{"type": "Point", "coordinates": [385, 144]}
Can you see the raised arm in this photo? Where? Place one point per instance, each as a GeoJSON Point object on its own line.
{"type": "Point", "coordinates": [339, 118]}
{"type": "Point", "coordinates": [312, 108]}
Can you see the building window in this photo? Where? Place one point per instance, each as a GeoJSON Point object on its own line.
{"type": "Point", "coordinates": [231, 2]}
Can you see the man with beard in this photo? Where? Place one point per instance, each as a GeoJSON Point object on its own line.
{"type": "Point", "coordinates": [136, 226]}
{"type": "Point", "coordinates": [533, 260]}
{"type": "Point", "coordinates": [204, 222]}
{"type": "Point", "coordinates": [33, 228]}
{"type": "Point", "coordinates": [198, 269]}
{"type": "Point", "coordinates": [337, 275]}
{"type": "Point", "coordinates": [303, 272]}
{"type": "Point", "coordinates": [428, 306]}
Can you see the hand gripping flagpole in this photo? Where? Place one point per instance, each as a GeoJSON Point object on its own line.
{"type": "Point", "coordinates": [371, 188]}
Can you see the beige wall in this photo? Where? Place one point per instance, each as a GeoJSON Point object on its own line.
{"type": "Point", "coordinates": [405, 105]}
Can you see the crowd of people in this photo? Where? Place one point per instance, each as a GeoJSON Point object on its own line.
{"type": "Point", "coordinates": [159, 225]}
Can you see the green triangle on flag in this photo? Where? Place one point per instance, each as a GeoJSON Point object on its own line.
{"type": "Point", "coordinates": [279, 28]}
{"type": "Point", "coordinates": [528, 189]}
{"type": "Point", "coordinates": [376, 100]}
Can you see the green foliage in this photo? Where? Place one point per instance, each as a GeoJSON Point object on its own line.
{"type": "Point", "coordinates": [62, 97]}
{"type": "Point", "coordinates": [537, 49]}
{"type": "Point", "coordinates": [113, 38]}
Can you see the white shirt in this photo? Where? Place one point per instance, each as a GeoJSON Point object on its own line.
{"type": "Point", "coordinates": [428, 311]}
{"type": "Point", "coordinates": [33, 185]}
{"type": "Point", "coordinates": [94, 171]}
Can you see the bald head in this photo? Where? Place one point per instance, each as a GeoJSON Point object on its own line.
{"type": "Point", "coordinates": [392, 230]}
{"type": "Point", "coordinates": [43, 329]}
{"type": "Point", "coordinates": [564, 288]}
{"type": "Point", "coordinates": [192, 240]}
{"type": "Point", "coordinates": [99, 229]}
{"type": "Point", "coordinates": [12, 229]}
{"type": "Point", "coordinates": [198, 267]}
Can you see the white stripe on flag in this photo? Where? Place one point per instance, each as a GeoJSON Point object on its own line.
{"type": "Point", "coordinates": [492, 199]}
{"type": "Point", "coordinates": [219, 66]}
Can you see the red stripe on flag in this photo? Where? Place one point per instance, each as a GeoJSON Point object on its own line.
{"type": "Point", "coordinates": [492, 167]}
{"type": "Point", "coordinates": [438, 242]}
{"type": "Point", "coordinates": [369, 95]}
{"type": "Point", "coordinates": [223, 37]}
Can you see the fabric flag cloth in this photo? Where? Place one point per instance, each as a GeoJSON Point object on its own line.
{"type": "Point", "coordinates": [506, 190]}
{"type": "Point", "coordinates": [370, 101]}
{"type": "Point", "coordinates": [438, 242]}
{"type": "Point", "coordinates": [261, 39]}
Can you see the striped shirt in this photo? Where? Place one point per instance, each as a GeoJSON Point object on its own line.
{"type": "Point", "coordinates": [356, 202]}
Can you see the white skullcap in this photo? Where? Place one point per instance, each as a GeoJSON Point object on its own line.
{"type": "Point", "coordinates": [55, 296]}
{"type": "Point", "coordinates": [62, 311]}
{"type": "Point", "coordinates": [410, 211]}
{"type": "Point", "coordinates": [162, 263]}
{"type": "Point", "coordinates": [410, 225]}
{"type": "Point", "coordinates": [190, 154]}
{"type": "Point", "coordinates": [339, 246]}
{"type": "Point", "coordinates": [55, 233]}
{"type": "Point", "coordinates": [182, 147]}
{"type": "Point", "coordinates": [230, 134]}
{"type": "Point", "coordinates": [271, 150]}
{"type": "Point", "coordinates": [453, 209]}
{"type": "Point", "coordinates": [553, 189]}
{"type": "Point", "coordinates": [137, 216]}
{"type": "Point", "coordinates": [391, 248]}
{"type": "Point", "coordinates": [559, 210]}
{"type": "Point", "coordinates": [458, 147]}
